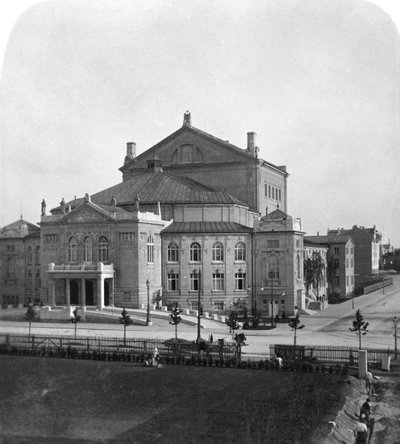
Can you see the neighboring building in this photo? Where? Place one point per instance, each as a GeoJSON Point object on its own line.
{"type": "Point", "coordinates": [366, 250]}
{"type": "Point", "coordinates": [315, 275]}
{"type": "Point", "coordinates": [20, 279]}
{"type": "Point", "coordinates": [278, 258]}
{"type": "Point", "coordinates": [340, 263]}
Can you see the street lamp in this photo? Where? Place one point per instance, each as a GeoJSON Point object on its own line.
{"type": "Point", "coordinates": [198, 275]}
{"type": "Point", "coordinates": [148, 303]}
{"type": "Point", "coordinates": [395, 321]}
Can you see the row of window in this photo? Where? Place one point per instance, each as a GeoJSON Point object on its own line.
{"type": "Point", "coordinates": [102, 249]}
{"type": "Point", "coordinates": [349, 250]}
{"type": "Point", "coordinates": [218, 252]}
{"type": "Point", "coordinates": [272, 192]}
{"type": "Point", "coordinates": [218, 281]}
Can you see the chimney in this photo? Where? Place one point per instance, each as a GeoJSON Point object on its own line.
{"type": "Point", "coordinates": [130, 151]}
{"type": "Point", "coordinates": [187, 119]}
{"type": "Point", "coordinates": [251, 144]}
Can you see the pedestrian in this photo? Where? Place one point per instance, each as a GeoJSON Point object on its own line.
{"type": "Point", "coordinates": [369, 383]}
{"type": "Point", "coordinates": [365, 410]}
{"type": "Point", "coordinates": [360, 432]}
{"type": "Point", "coordinates": [279, 361]}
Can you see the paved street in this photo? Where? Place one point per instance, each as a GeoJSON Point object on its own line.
{"type": "Point", "coordinates": [328, 327]}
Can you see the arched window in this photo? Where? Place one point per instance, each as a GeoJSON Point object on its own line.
{"type": "Point", "coordinates": [195, 252]}
{"type": "Point", "coordinates": [103, 249]}
{"type": "Point", "coordinates": [87, 249]}
{"type": "Point", "coordinates": [72, 250]}
{"type": "Point", "coordinates": [173, 252]}
{"type": "Point", "coordinates": [37, 255]}
{"type": "Point", "coordinates": [273, 267]}
{"type": "Point", "coordinates": [218, 252]}
{"type": "Point", "coordinates": [30, 256]}
{"type": "Point", "coordinates": [150, 249]}
{"type": "Point", "coordinates": [240, 252]}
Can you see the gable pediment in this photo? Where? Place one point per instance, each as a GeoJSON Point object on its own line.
{"type": "Point", "coordinates": [85, 213]}
{"type": "Point", "coordinates": [190, 145]}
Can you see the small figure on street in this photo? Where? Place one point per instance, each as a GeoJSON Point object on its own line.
{"type": "Point", "coordinates": [365, 410]}
{"type": "Point", "coordinates": [360, 432]}
{"type": "Point", "coordinates": [369, 382]}
{"type": "Point", "coordinates": [279, 361]}
{"type": "Point", "coordinates": [154, 359]}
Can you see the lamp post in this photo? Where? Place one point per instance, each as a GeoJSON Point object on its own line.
{"type": "Point", "coordinates": [198, 275]}
{"type": "Point", "coordinates": [272, 302]}
{"type": "Point", "coordinates": [148, 303]}
{"type": "Point", "coordinates": [395, 321]}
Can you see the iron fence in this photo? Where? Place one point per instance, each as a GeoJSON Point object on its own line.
{"type": "Point", "coordinates": [327, 354]}
{"type": "Point", "coordinates": [173, 348]}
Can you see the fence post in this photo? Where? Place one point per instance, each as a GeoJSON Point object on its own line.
{"type": "Point", "coordinates": [87, 344]}
{"type": "Point", "coordinates": [33, 341]}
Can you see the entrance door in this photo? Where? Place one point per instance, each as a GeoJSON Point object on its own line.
{"type": "Point", "coordinates": [89, 293]}
{"type": "Point", "coordinates": [74, 293]}
{"type": "Point", "coordinates": [106, 293]}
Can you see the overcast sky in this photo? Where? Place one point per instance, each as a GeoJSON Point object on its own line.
{"type": "Point", "coordinates": [318, 81]}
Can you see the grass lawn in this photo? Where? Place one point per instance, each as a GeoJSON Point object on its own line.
{"type": "Point", "coordinates": [54, 400]}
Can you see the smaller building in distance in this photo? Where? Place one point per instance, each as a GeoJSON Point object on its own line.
{"type": "Point", "coordinates": [366, 250]}
{"type": "Point", "coordinates": [20, 262]}
{"type": "Point", "coordinates": [340, 264]}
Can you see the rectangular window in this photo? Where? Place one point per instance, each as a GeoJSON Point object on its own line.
{"type": "Point", "coordinates": [219, 306]}
{"type": "Point", "coordinates": [10, 248]}
{"type": "Point", "coordinates": [240, 281]}
{"type": "Point", "coordinates": [347, 263]}
{"type": "Point", "coordinates": [266, 190]}
{"type": "Point", "coordinates": [279, 195]}
{"type": "Point", "coordinates": [336, 263]}
{"type": "Point", "coordinates": [194, 305]}
{"type": "Point", "coordinates": [269, 190]}
{"type": "Point", "coordinates": [273, 192]}
{"type": "Point", "coordinates": [337, 281]}
{"type": "Point", "coordinates": [218, 281]}
{"type": "Point", "coordinates": [352, 279]}
{"type": "Point", "coordinates": [173, 280]}
{"type": "Point", "coordinates": [194, 282]}
{"type": "Point", "coordinates": [351, 262]}
{"type": "Point", "coordinates": [273, 243]}
{"type": "Point", "coordinates": [336, 250]}
{"type": "Point", "coordinates": [347, 250]}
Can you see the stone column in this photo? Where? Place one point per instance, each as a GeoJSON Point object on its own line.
{"type": "Point", "coordinates": [83, 299]}
{"type": "Point", "coordinates": [112, 289]}
{"type": "Point", "coordinates": [67, 293]}
{"type": "Point", "coordinates": [52, 289]}
{"type": "Point", "coordinates": [100, 292]}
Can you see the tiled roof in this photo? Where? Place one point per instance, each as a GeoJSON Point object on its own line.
{"type": "Point", "coordinates": [275, 215]}
{"type": "Point", "coordinates": [153, 187]}
{"type": "Point", "coordinates": [328, 239]}
{"type": "Point", "coordinates": [19, 228]}
{"type": "Point", "coordinates": [206, 227]}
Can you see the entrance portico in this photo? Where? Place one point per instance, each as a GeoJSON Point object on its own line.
{"type": "Point", "coordinates": [84, 284]}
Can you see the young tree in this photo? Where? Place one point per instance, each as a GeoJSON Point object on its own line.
{"type": "Point", "coordinates": [240, 341]}
{"type": "Point", "coordinates": [75, 318]}
{"type": "Point", "coordinates": [30, 316]}
{"type": "Point", "coordinates": [126, 320]}
{"type": "Point", "coordinates": [232, 322]}
{"type": "Point", "coordinates": [295, 324]}
{"type": "Point", "coordinates": [175, 318]}
{"type": "Point", "coordinates": [360, 327]}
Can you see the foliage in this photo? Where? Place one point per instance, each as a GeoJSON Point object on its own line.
{"type": "Point", "coordinates": [75, 318]}
{"type": "Point", "coordinates": [126, 320]}
{"type": "Point", "coordinates": [313, 271]}
{"type": "Point", "coordinates": [360, 327]}
{"type": "Point", "coordinates": [232, 322]}
{"type": "Point", "coordinates": [175, 317]}
{"type": "Point", "coordinates": [295, 324]}
{"type": "Point", "coordinates": [30, 316]}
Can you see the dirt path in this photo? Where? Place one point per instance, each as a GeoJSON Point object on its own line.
{"type": "Point", "coordinates": [385, 409]}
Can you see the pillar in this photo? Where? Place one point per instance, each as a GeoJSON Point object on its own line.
{"type": "Point", "coordinates": [112, 289]}
{"type": "Point", "coordinates": [362, 363]}
{"type": "Point", "coordinates": [67, 293]}
{"type": "Point", "coordinates": [100, 292]}
{"type": "Point", "coordinates": [83, 300]}
{"type": "Point", "coordinates": [52, 289]}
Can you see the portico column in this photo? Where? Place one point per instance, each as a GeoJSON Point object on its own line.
{"type": "Point", "coordinates": [67, 293]}
{"type": "Point", "coordinates": [112, 293]}
{"type": "Point", "coordinates": [52, 285]}
{"type": "Point", "coordinates": [83, 283]}
{"type": "Point", "coordinates": [100, 292]}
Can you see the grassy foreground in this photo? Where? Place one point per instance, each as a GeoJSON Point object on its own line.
{"type": "Point", "coordinates": [54, 400]}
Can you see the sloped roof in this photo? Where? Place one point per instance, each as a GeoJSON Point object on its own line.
{"type": "Point", "coordinates": [19, 228]}
{"type": "Point", "coordinates": [328, 239]}
{"type": "Point", "coordinates": [275, 215]}
{"type": "Point", "coordinates": [156, 186]}
{"type": "Point", "coordinates": [205, 227]}
{"type": "Point", "coordinates": [205, 135]}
